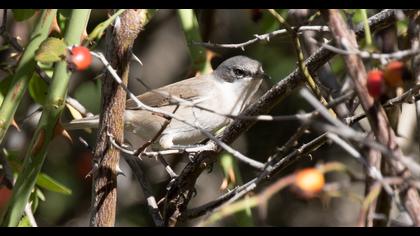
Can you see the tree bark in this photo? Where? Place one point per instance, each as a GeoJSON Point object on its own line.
{"type": "Point", "coordinates": [120, 38]}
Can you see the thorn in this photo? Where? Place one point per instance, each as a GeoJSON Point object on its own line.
{"type": "Point", "coordinates": [191, 157]}
{"type": "Point", "coordinates": [14, 124]}
{"type": "Point", "coordinates": [136, 59]}
{"type": "Point", "coordinates": [310, 157]}
{"type": "Point", "coordinates": [171, 182]}
{"type": "Point", "coordinates": [119, 171]}
{"type": "Point", "coordinates": [92, 171]}
{"type": "Point", "coordinates": [59, 130]}
{"type": "Point", "coordinates": [211, 54]}
{"type": "Point", "coordinates": [161, 201]}
{"type": "Point", "coordinates": [84, 142]}
{"type": "Point", "coordinates": [224, 184]}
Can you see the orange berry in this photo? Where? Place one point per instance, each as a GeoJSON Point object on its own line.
{"type": "Point", "coordinates": [309, 182]}
{"type": "Point", "coordinates": [393, 73]}
{"type": "Point", "coordinates": [80, 58]}
{"type": "Point", "coordinates": [375, 83]}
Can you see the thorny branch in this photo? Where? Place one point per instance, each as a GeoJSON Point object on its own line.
{"type": "Point", "coordinates": [120, 40]}
{"type": "Point", "coordinates": [262, 37]}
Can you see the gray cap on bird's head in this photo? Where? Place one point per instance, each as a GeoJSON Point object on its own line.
{"type": "Point", "coordinates": [239, 67]}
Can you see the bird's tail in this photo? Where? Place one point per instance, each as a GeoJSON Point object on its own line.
{"type": "Point", "coordinates": [87, 122]}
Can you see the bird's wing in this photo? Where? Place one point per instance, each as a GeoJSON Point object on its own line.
{"type": "Point", "coordinates": [186, 89]}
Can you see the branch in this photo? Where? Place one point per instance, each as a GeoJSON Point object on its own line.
{"type": "Point", "coordinates": [120, 38]}
{"type": "Point", "coordinates": [24, 70]}
{"type": "Point", "coordinates": [262, 37]}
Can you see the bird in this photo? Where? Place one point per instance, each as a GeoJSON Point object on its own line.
{"type": "Point", "coordinates": [228, 89]}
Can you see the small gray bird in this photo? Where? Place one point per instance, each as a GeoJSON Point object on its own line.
{"type": "Point", "coordinates": [227, 90]}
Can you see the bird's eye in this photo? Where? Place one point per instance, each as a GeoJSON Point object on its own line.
{"type": "Point", "coordinates": [239, 72]}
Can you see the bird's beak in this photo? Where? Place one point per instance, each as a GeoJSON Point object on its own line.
{"type": "Point", "coordinates": [264, 76]}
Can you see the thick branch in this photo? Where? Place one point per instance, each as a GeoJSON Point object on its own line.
{"type": "Point", "coordinates": [120, 38]}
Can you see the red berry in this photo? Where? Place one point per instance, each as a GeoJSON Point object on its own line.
{"type": "Point", "coordinates": [80, 58]}
{"type": "Point", "coordinates": [375, 83]}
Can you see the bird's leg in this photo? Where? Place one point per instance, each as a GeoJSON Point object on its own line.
{"type": "Point", "coordinates": [168, 168]}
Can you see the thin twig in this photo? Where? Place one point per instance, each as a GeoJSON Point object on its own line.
{"type": "Point", "coordinates": [145, 185]}
{"type": "Point", "coordinates": [398, 55]}
{"type": "Point", "coordinates": [262, 37]}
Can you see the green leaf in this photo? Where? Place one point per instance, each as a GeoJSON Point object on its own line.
{"type": "Point", "coordinates": [42, 180]}
{"type": "Point", "coordinates": [49, 183]}
{"type": "Point", "coordinates": [357, 17]}
{"type": "Point", "coordinates": [40, 195]}
{"type": "Point", "coordinates": [51, 50]}
{"type": "Point", "coordinates": [22, 14]}
{"type": "Point", "coordinates": [63, 16]}
{"type": "Point", "coordinates": [191, 30]}
{"type": "Point", "coordinates": [47, 68]}
{"type": "Point", "coordinates": [34, 200]}
{"type": "Point", "coordinates": [38, 89]}
{"type": "Point", "coordinates": [101, 27]}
